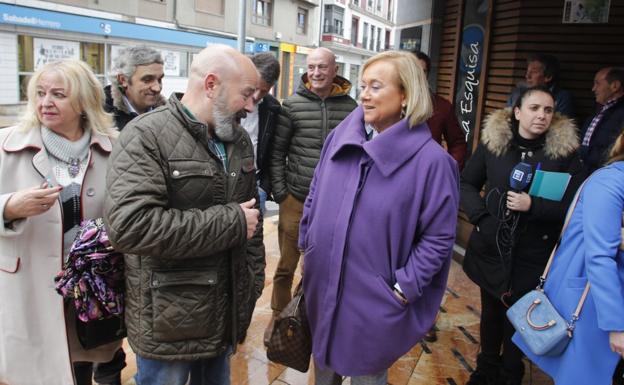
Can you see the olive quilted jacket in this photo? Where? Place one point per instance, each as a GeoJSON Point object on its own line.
{"type": "Point", "coordinates": [192, 277]}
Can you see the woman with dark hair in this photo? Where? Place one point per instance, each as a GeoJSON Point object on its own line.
{"type": "Point", "coordinates": [591, 250]}
{"type": "Point", "coordinates": [514, 232]}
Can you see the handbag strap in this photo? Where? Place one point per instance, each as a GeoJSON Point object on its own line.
{"type": "Point", "coordinates": [563, 229]}
{"type": "Point", "coordinates": [579, 306]}
{"type": "Point", "coordinates": [581, 302]}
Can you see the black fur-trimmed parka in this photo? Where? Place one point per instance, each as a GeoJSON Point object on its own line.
{"type": "Point", "coordinates": [500, 149]}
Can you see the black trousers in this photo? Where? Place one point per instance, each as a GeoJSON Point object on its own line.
{"type": "Point", "coordinates": [496, 332]}
{"type": "Point", "coordinates": [108, 373]}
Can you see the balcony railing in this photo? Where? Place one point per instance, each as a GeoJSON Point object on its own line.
{"type": "Point", "coordinates": [333, 30]}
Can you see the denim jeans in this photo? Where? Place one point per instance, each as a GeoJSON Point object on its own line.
{"type": "Point", "coordinates": [263, 198]}
{"type": "Point", "coordinates": [210, 371]}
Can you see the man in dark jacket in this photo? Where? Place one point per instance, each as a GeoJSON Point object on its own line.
{"type": "Point", "coordinates": [260, 123]}
{"type": "Point", "coordinates": [320, 103]}
{"type": "Point", "coordinates": [443, 123]}
{"type": "Point", "coordinates": [599, 132]}
{"type": "Point", "coordinates": [136, 82]}
{"type": "Point", "coordinates": [181, 207]}
{"type": "Point", "coordinates": [543, 70]}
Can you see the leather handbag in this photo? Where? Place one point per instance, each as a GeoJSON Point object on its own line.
{"type": "Point", "coordinates": [542, 328]}
{"type": "Point", "coordinates": [540, 325]}
{"type": "Point", "coordinates": [96, 333]}
{"type": "Point", "coordinates": [291, 342]}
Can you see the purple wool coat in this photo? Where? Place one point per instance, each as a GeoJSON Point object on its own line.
{"type": "Point", "coordinates": [378, 212]}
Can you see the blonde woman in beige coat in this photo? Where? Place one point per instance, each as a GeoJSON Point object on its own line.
{"type": "Point", "coordinates": [61, 145]}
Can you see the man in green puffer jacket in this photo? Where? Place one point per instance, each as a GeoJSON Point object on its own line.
{"type": "Point", "coordinates": [320, 103]}
{"type": "Point", "coordinates": [181, 206]}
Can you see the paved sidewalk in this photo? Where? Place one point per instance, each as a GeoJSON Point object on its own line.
{"type": "Point", "coordinates": [448, 361]}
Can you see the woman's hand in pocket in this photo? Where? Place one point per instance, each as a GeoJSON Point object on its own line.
{"type": "Point", "coordinates": [616, 342]}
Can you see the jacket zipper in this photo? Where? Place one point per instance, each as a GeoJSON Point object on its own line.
{"type": "Point", "coordinates": [324, 120]}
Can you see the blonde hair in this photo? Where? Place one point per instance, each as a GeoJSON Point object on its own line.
{"type": "Point", "coordinates": [84, 91]}
{"type": "Point", "coordinates": [413, 81]}
{"type": "Point", "coordinates": [617, 151]}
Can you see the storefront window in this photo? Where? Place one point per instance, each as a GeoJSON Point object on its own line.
{"type": "Point", "coordinates": [354, 73]}
{"type": "Point", "coordinates": [25, 63]}
{"type": "Point", "coordinates": [93, 55]}
{"type": "Point", "coordinates": [35, 52]}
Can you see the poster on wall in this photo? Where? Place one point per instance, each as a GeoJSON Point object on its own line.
{"type": "Point", "coordinates": [47, 50]}
{"type": "Point", "coordinates": [171, 62]}
{"type": "Point", "coordinates": [586, 11]}
{"type": "Point", "coordinates": [469, 66]}
{"type": "Point", "coordinates": [171, 59]}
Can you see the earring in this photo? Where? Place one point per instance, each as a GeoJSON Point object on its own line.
{"type": "Point", "coordinates": [403, 110]}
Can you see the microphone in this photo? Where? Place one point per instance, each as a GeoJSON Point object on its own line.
{"type": "Point", "coordinates": [520, 177]}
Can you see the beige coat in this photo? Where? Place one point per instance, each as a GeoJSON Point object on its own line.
{"type": "Point", "coordinates": [34, 343]}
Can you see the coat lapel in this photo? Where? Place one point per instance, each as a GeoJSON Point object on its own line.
{"type": "Point", "coordinates": [19, 141]}
{"type": "Point", "coordinates": [390, 149]}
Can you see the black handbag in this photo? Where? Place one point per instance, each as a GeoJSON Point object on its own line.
{"type": "Point", "coordinates": [291, 341]}
{"type": "Point", "coordinates": [96, 333]}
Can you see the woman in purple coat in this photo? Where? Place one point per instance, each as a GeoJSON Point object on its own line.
{"type": "Point", "coordinates": [378, 227]}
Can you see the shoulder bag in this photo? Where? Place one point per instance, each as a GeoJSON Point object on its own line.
{"type": "Point", "coordinates": [542, 328]}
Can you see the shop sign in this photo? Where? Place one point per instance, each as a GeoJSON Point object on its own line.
{"type": "Point", "coordinates": [285, 47]}
{"type": "Point", "coordinates": [469, 66]}
{"type": "Point", "coordinates": [261, 47]}
{"type": "Point", "coordinates": [39, 18]}
{"type": "Point", "coordinates": [303, 50]}
{"type": "Point", "coordinates": [47, 50]}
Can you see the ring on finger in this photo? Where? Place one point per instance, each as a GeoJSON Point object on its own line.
{"type": "Point", "coordinates": [45, 206]}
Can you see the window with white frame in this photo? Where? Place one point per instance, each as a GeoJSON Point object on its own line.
{"type": "Point", "coordinates": [261, 12]}
{"type": "Point", "coordinates": [302, 21]}
{"type": "Point", "coordinates": [210, 6]}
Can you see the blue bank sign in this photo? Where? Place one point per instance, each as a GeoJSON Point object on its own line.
{"type": "Point", "coordinates": [38, 18]}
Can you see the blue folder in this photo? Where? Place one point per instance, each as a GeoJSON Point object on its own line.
{"type": "Point", "coordinates": [549, 185]}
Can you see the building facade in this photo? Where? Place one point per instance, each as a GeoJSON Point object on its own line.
{"type": "Point", "coordinates": [356, 30]}
{"type": "Point", "coordinates": [33, 32]}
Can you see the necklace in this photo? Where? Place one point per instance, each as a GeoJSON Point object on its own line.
{"type": "Point", "coordinates": [73, 168]}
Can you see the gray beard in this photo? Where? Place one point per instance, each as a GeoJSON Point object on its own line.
{"type": "Point", "coordinates": [223, 121]}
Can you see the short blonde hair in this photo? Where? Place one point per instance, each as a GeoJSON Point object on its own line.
{"type": "Point", "coordinates": [84, 91]}
{"type": "Point", "coordinates": [412, 80]}
{"type": "Point", "coordinates": [616, 153]}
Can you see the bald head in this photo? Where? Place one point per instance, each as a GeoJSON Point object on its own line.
{"type": "Point", "coordinates": [222, 82]}
{"type": "Point", "coordinates": [322, 70]}
{"type": "Point", "coordinates": [220, 60]}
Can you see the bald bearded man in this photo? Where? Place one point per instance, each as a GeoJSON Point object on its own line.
{"type": "Point", "coordinates": [182, 208]}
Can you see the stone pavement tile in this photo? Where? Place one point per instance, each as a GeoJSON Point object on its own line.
{"type": "Point", "coordinates": [251, 371]}
{"type": "Point", "coordinates": [438, 363]}
{"type": "Point", "coordinates": [294, 377]}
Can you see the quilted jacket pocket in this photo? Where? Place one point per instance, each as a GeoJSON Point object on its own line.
{"type": "Point", "coordinates": [184, 303]}
{"type": "Point", "coordinates": [192, 183]}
